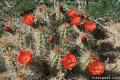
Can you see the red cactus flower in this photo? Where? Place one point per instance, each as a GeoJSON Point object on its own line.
{"type": "Point", "coordinates": [29, 19]}
{"type": "Point", "coordinates": [53, 14]}
{"type": "Point", "coordinates": [69, 61]}
{"type": "Point", "coordinates": [51, 39]}
{"type": "Point", "coordinates": [7, 28]}
{"type": "Point", "coordinates": [83, 38]}
{"type": "Point", "coordinates": [90, 26]}
{"type": "Point", "coordinates": [73, 13]}
{"type": "Point", "coordinates": [85, 17]}
{"type": "Point", "coordinates": [76, 21]}
{"type": "Point", "coordinates": [25, 58]}
{"type": "Point", "coordinates": [96, 68]}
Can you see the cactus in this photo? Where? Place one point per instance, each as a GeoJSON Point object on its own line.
{"type": "Point", "coordinates": [53, 31]}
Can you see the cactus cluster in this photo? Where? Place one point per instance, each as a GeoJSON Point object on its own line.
{"type": "Point", "coordinates": [54, 41]}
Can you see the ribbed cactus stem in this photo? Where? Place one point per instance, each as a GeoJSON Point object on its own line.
{"type": "Point", "coordinates": [40, 43]}
{"type": "Point", "coordinates": [47, 18]}
{"type": "Point", "coordinates": [22, 41]}
{"type": "Point", "coordinates": [64, 34]}
{"type": "Point", "coordinates": [85, 58]}
{"type": "Point", "coordinates": [36, 42]}
{"type": "Point", "coordinates": [59, 62]}
{"type": "Point", "coordinates": [10, 69]}
{"type": "Point", "coordinates": [33, 43]}
{"type": "Point", "coordinates": [37, 35]}
{"type": "Point", "coordinates": [44, 42]}
{"type": "Point", "coordinates": [57, 11]}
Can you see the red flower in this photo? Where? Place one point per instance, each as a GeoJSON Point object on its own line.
{"type": "Point", "coordinates": [73, 13]}
{"type": "Point", "coordinates": [69, 61]}
{"type": "Point", "coordinates": [25, 58]}
{"type": "Point", "coordinates": [7, 28]}
{"type": "Point", "coordinates": [90, 26]}
{"type": "Point", "coordinates": [85, 17]}
{"type": "Point", "coordinates": [53, 14]}
{"type": "Point", "coordinates": [96, 68]}
{"type": "Point", "coordinates": [29, 19]}
{"type": "Point", "coordinates": [76, 21]}
{"type": "Point", "coordinates": [51, 39]}
{"type": "Point", "coordinates": [83, 38]}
